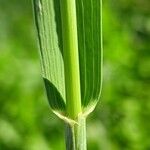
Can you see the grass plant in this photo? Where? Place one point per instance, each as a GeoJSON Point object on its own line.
{"type": "Point", "coordinates": [70, 41]}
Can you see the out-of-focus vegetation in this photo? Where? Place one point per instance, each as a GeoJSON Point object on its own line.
{"type": "Point", "coordinates": [121, 121]}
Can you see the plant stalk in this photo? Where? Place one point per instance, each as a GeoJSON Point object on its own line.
{"type": "Point", "coordinates": [76, 135]}
{"type": "Point", "coordinates": [71, 58]}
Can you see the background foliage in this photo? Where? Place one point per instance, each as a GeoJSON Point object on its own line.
{"type": "Point", "coordinates": [121, 120]}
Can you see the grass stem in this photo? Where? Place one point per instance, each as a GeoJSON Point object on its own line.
{"type": "Point", "coordinates": [71, 58]}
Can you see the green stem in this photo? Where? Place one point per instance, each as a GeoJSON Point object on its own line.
{"type": "Point", "coordinates": [76, 135]}
{"type": "Point", "coordinates": [71, 60]}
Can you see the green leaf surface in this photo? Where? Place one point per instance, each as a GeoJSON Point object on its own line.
{"type": "Point", "coordinates": [89, 18]}
{"type": "Point", "coordinates": [49, 34]}
{"type": "Point", "coordinates": [89, 33]}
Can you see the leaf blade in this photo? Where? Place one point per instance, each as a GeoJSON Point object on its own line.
{"type": "Point", "coordinates": [50, 52]}
{"type": "Point", "coordinates": [89, 17]}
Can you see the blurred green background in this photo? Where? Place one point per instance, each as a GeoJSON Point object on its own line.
{"type": "Point", "coordinates": [121, 120]}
